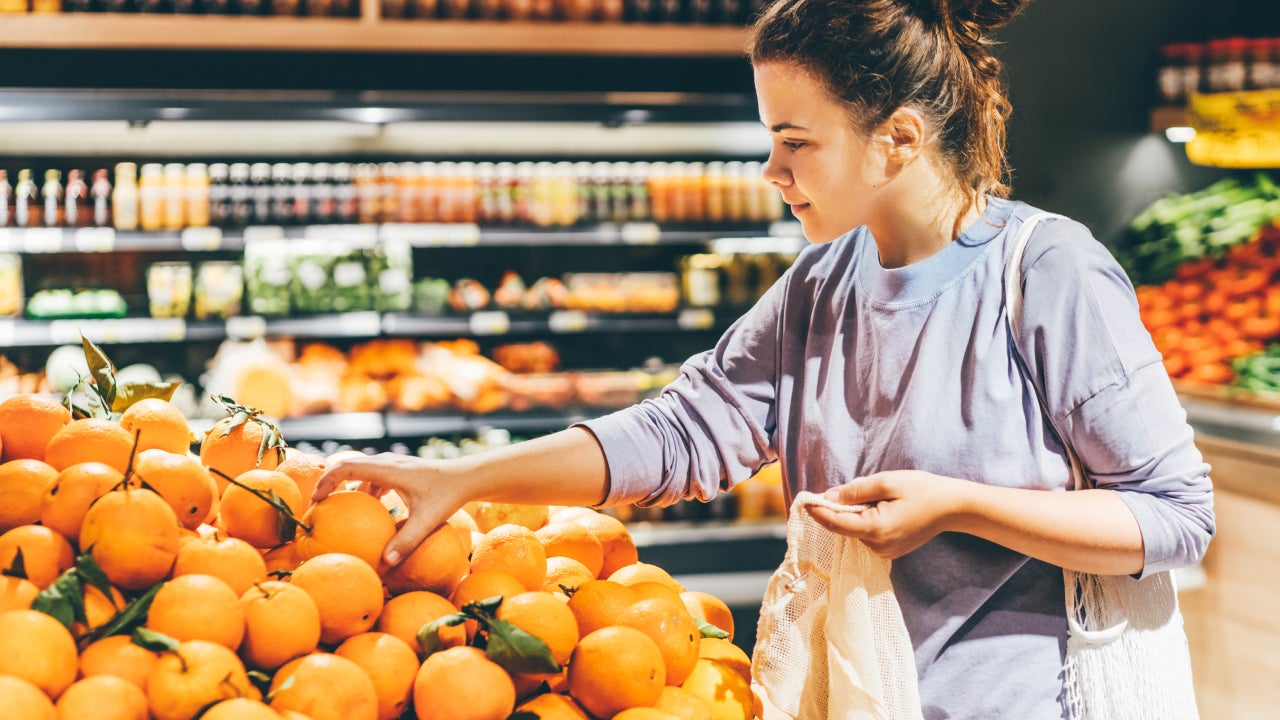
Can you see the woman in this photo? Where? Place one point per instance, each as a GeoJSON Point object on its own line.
{"type": "Point", "coordinates": [881, 369]}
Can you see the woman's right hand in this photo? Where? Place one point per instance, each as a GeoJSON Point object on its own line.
{"type": "Point", "coordinates": [433, 490]}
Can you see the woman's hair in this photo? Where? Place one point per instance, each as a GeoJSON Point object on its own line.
{"type": "Point", "coordinates": [876, 56]}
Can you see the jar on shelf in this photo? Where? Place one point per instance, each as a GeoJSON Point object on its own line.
{"type": "Point", "coordinates": [219, 289]}
{"type": "Point", "coordinates": [700, 278]}
{"type": "Point", "coordinates": [1226, 68]}
{"type": "Point", "coordinates": [267, 278]}
{"type": "Point", "coordinates": [1264, 64]}
{"type": "Point", "coordinates": [1170, 87]}
{"type": "Point", "coordinates": [169, 287]}
{"type": "Point", "coordinates": [11, 292]}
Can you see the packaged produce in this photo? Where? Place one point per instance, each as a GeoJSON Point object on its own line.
{"type": "Point", "coordinates": [68, 304]}
{"type": "Point", "coordinates": [219, 289]}
{"type": "Point", "coordinates": [430, 295]}
{"type": "Point", "coordinates": [311, 286]}
{"type": "Point", "coordinates": [11, 292]}
{"type": "Point", "coordinates": [267, 277]}
{"type": "Point", "coordinates": [169, 286]}
{"type": "Point", "coordinates": [610, 389]}
{"type": "Point", "coordinates": [553, 391]}
{"type": "Point", "coordinates": [390, 270]}
{"type": "Point", "coordinates": [532, 357]}
{"type": "Point", "coordinates": [351, 279]}
{"type": "Point", "coordinates": [1259, 372]}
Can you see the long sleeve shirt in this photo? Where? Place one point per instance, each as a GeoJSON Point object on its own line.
{"type": "Point", "coordinates": [846, 368]}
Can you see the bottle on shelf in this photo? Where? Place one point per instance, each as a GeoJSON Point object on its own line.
{"type": "Point", "coordinates": [52, 194]}
{"type": "Point", "coordinates": [78, 211]}
{"type": "Point", "coordinates": [346, 202]}
{"type": "Point", "coordinates": [241, 194]}
{"type": "Point", "coordinates": [303, 192]}
{"type": "Point", "coordinates": [151, 198]}
{"type": "Point", "coordinates": [219, 195]}
{"type": "Point", "coordinates": [323, 199]}
{"type": "Point", "coordinates": [260, 192]}
{"type": "Point", "coordinates": [100, 195]}
{"type": "Point", "coordinates": [125, 197]}
{"type": "Point", "coordinates": [198, 188]}
{"type": "Point", "coordinates": [411, 185]}
{"type": "Point", "coordinates": [49, 7]}
{"type": "Point", "coordinates": [282, 210]}
{"type": "Point", "coordinates": [6, 199]}
{"type": "Point", "coordinates": [175, 196]}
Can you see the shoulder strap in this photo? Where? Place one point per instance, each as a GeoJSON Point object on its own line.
{"type": "Point", "coordinates": [1013, 314]}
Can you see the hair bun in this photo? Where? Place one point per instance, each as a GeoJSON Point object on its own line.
{"type": "Point", "coordinates": [984, 15]}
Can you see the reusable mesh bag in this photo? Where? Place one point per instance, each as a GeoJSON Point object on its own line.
{"type": "Point", "coordinates": [831, 643]}
{"type": "Point", "coordinates": [1127, 655]}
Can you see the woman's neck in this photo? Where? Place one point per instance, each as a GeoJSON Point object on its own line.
{"type": "Point", "coordinates": [918, 217]}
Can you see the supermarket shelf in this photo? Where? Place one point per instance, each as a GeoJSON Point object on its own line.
{"type": "Point", "coordinates": [650, 534]}
{"type": "Point", "coordinates": [341, 426]}
{"type": "Point", "coordinates": [426, 235]}
{"type": "Point", "coordinates": [423, 425]}
{"type": "Point", "coordinates": [32, 333]}
{"type": "Point", "coordinates": [1257, 423]}
{"type": "Point", "coordinates": [1167, 116]}
{"type": "Point", "coordinates": [169, 32]}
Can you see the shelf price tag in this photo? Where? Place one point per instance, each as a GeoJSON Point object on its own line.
{"type": "Point", "coordinates": [696, 319]}
{"type": "Point", "coordinates": [66, 332]}
{"type": "Point", "coordinates": [462, 234]}
{"type": "Point", "coordinates": [257, 233]}
{"type": "Point", "coordinates": [494, 322]}
{"type": "Point", "coordinates": [42, 240]}
{"type": "Point", "coordinates": [359, 324]}
{"type": "Point", "coordinates": [641, 234]}
{"type": "Point", "coordinates": [8, 332]}
{"type": "Point", "coordinates": [786, 228]}
{"type": "Point", "coordinates": [567, 321]}
{"type": "Point", "coordinates": [202, 239]}
{"type": "Point", "coordinates": [250, 327]}
{"type": "Point", "coordinates": [95, 240]}
{"type": "Point", "coordinates": [8, 240]}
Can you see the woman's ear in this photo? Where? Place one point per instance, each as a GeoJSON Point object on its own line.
{"type": "Point", "coordinates": [904, 132]}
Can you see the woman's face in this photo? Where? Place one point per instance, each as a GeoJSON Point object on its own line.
{"type": "Point", "coordinates": [827, 170]}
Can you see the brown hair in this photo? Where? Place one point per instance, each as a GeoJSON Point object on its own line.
{"type": "Point", "coordinates": [876, 56]}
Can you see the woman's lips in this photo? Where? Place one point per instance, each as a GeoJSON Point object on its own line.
{"type": "Point", "coordinates": [799, 207]}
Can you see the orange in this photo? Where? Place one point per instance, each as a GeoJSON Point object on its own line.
{"type": "Point", "coordinates": [644, 572]}
{"type": "Point", "coordinates": [710, 609]}
{"type": "Point", "coordinates": [103, 697]}
{"type": "Point", "coordinates": [159, 425]}
{"type": "Point", "coordinates": [347, 592]}
{"type": "Point", "coordinates": [305, 469]}
{"type": "Point", "coordinates": [182, 481]}
{"type": "Point", "coordinates": [619, 548]}
{"type": "Point", "coordinates": [390, 663]}
{"type": "Point", "coordinates": [16, 593]}
{"type": "Point", "coordinates": [437, 565]}
{"type": "Point", "coordinates": [404, 615]}
{"type": "Point", "coordinates": [616, 668]}
{"type": "Point", "coordinates": [482, 585]}
{"type": "Point", "coordinates": [598, 603]}
{"type": "Point", "coordinates": [281, 623]}
{"type": "Point", "coordinates": [45, 553]}
{"type": "Point", "coordinates": [573, 541]}
{"type": "Point", "coordinates": [37, 648]}
{"type": "Point", "coordinates": [489, 515]}
{"type": "Point", "coordinates": [649, 590]}
{"type": "Point", "coordinates": [67, 500]}
{"type": "Point", "coordinates": [325, 687]}
{"type": "Point", "coordinates": [348, 522]}
{"type": "Point", "coordinates": [562, 513]}
{"type": "Point", "coordinates": [234, 451]}
{"type": "Point", "coordinates": [22, 484]}
{"type": "Point", "coordinates": [98, 609]}
{"type": "Point", "coordinates": [21, 700]}
{"type": "Point", "coordinates": [133, 536]}
{"type": "Point", "coordinates": [240, 709]}
{"type": "Point", "coordinates": [462, 683]}
{"type": "Point", "coordinates": [644, 713]}
{"type": "Point", "coordinates": [672, 629]}
{"type": "Point", "coordinates": [543, 616]}
{"type": "Point", "coordinates": [728, 694]}
{"type": "Point", "coordinates": [89, 440]}
{"type": "Point", "coordinates": [565, 572]}
{"type": "Point", "coordinates": [550, 706]}
{"type": "Point", "coordinates": [233, 561]}
{"type": "Point", "coordinates": [282, 558]}
{"type": "Point", "coordinates": [28, 423]}
{"type": "Point", "coordinates": [728, 654]}
{"type": "Point", "coordinates": [117, 655]}
{"type": "Point", "coordinates": [198, 607]}
{"type": "Point", "coordinates": [513, 548]}
{"type": "Point", "coordinates": [684, 704]}
{"type": "Point", "coordinates": [196, 674]}
{"type": "Point", "coordinates": [465, 525]}
{"type": "Point", "coordinates": [252, 519]}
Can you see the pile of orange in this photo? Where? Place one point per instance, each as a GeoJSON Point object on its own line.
{"type": "Point", "coordinates": [333, 633]}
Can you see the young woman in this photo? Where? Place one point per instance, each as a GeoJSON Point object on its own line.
{"type": "Point", "coordinates": [881, 369]}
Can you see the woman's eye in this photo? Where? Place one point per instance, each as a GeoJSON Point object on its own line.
{"type": "Point", "coordinates": [792, 146]}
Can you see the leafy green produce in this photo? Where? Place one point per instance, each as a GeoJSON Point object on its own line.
{"type": "Point", "coordinates": [1179, 228]}
{"type": "Point", "coordinates": [1259, 372]}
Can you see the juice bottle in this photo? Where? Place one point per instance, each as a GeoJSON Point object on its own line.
{"type": "Point", "coordinates": [303, 191]}
{"type": "Point", "coordinates": [260, 192]}
{"type": "Point", "coordinates": [241, 194]}
{"type": "Point", "coordinates": [52, 193]}
{"type": "Point", "coordinates": [100, 193]}
{"type": "Point", "coordinates": [282, 209]}
{"type": "Point", "coordinates": [6, 199]}
{"type": "Point", "coordinates": [78, 210]}
{"type": "Point", "coordinates": [219, 195]}
{"type": "Point", "coordinates": [151, 198]}
{"type": "Point", "coordinates": [197, 195]}
{"type": "Point", "coordinates": [175, 196]}
{"type": "Point", "coordinates": [346, 202]}
{"type": "Point", "coordinates": [124, 201]}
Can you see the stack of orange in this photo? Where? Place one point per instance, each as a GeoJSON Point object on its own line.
{"type": "Point", "coordinates": [336, 632]}
{"type": "Point", "coordinates": [1216, 310]}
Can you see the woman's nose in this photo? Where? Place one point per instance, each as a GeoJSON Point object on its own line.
{"type": "Point", "coordinates": [775, 173]}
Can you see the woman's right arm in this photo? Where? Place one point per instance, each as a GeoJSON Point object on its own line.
{"type": "Point", "coordinates": [565, 468]}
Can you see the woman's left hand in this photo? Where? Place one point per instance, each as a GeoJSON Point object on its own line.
{"type": "Point", "coordinates": [907, 508]}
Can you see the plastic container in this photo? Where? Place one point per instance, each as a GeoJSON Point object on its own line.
{"type": "Point", "coordinates": [267, 277]}
{"type": "Point", "coordinates": [169, 286]}
{"type": "Point", "coordinates": [219, 289]}
{"type": "Point", "coordinates": [11, 292]}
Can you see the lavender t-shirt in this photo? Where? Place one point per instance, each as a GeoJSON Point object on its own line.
{"type": "Point", "coordinates": [845, 368]}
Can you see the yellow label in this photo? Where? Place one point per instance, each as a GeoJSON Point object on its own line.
{"type": "Point", "coordinates": [1236, 130]}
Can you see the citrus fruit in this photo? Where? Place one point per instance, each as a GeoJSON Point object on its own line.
{"type": "Point", "coordinates": [198, 607]}
{"type": "Point", "coordinates": [438, 564]}
{"type": "Point", "coordinates": [234, 561]}
{"type": "Point", "coordinates": [462, 683]}
{"type": "Point", "coordinates": [347, 592]}
{"type": "Point", "coordinates": [619, 549]}
{"type": "Point", "coordinates": [671, 628]}
{"type": "Point", "coordinates": [159, 425]}
{"type": "Point", "coordinates": [22, 700]}
{"type": "Point", "coordinates": [716, 683]}
{"type": "Point", "coordinates": [37, 648]}
{"type": "Point", "coordinates": [390, 663]}
{"type": "Point", "coordinates": [23, 484]}
{"type": "Point", "coordinates": [28, 423]}
{"type": "Point", "coordinates": [194, 675]}
{"type": "Point", "coordinates": [616, 668]}
{"type": "Point", "coordinates": [281, 623]}
{"type": "Point", "coordinates": [45, 553]}
{"type": "Point", "coordinates": [103, 697]}
{"type": "Point", "coordinates": [404, 615]}
{"type": "Point", "coordinates": [543, 616]}
{"type": "Point", "coordinates": [67, 500]}
{"type": "Point", "coordinates": [246, 515]}
{"type": "Point", "coordinates": [325, 687]}
{"type": "Point", "coordinates": [597, 604]}
{"type": "Point", "coordinates": [133, 536]}
{"type": "Point", "coordinates": [233, 451]}
{"type": "Point", "coordinates": [118, 655]}
{"type": "Point", "coordinates": [515, 549]}
{"type": "Point", "coordinates": [575, 541]}
{"type": "Point", "coordinates": [89, 440]}
{"type": "Point", "coordinates": [709, 609]}
{"type": "Point", "coordinates": [348, 522]}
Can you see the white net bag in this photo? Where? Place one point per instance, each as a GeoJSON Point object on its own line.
{"type": "Point", "coordinates": [831, 642]}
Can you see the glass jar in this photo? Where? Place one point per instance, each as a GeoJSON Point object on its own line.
{"type": "Point", "coordinates": [1264, 64]}
{"type": "Point", "coordinates": [700, 276]}
{"type": "Point", "coordinates": [219, 289]}
{"type": "Point", "coordinates": [267, 278]}
{"type": "Point", "coordinates": [1226, 66]}
{"type": "Point", "coordinates": [169, 289]}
